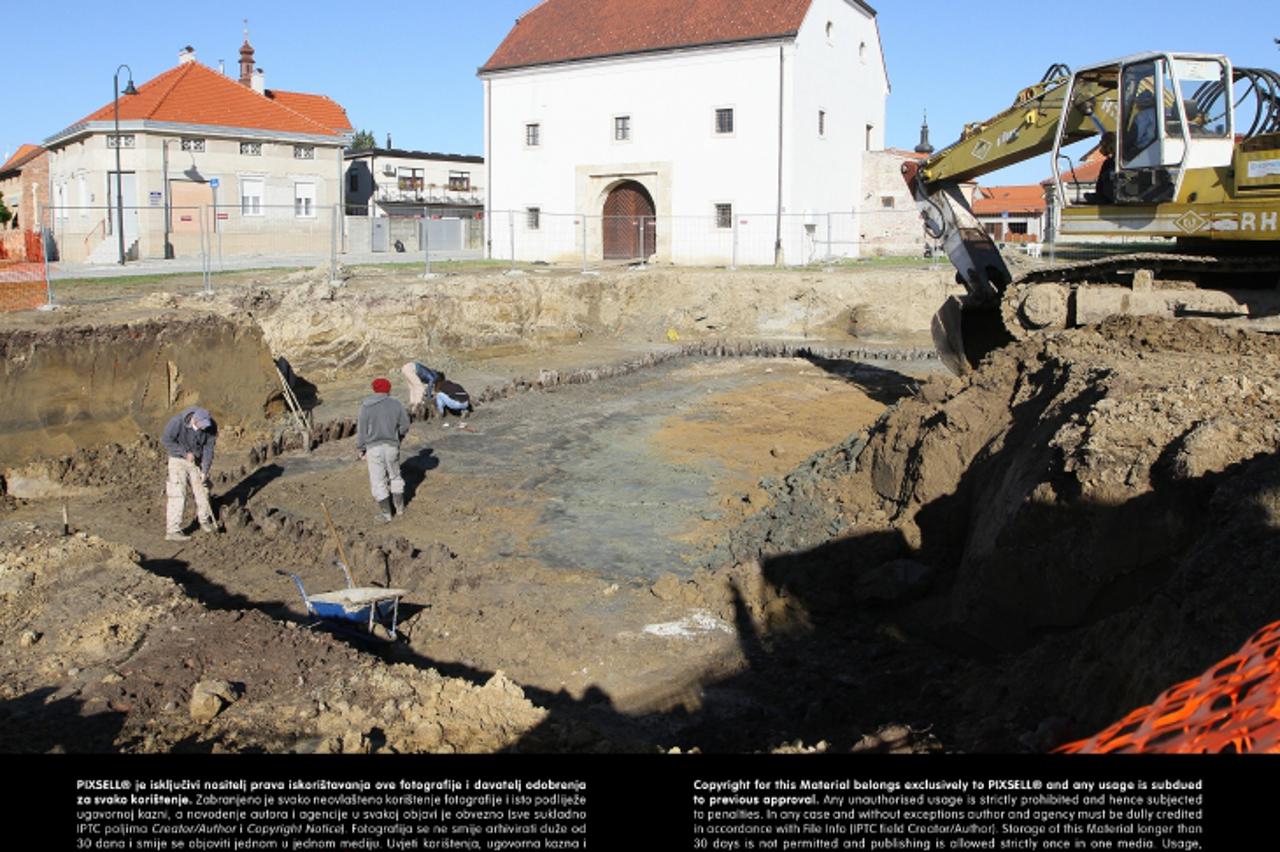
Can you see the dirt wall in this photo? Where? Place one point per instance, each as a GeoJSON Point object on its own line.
{"type": "Point", "coordinates": [66, 385]}
{"type": "Point", "coordinates": [378, 319]}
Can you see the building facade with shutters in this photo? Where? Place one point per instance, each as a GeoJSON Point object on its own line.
{"type": "Point", "coordinates": [685, 131]}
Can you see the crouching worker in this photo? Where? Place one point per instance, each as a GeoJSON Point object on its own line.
{"type": "Point", "coordinates": [382, 424]}
{"type": "Point", "coordinates": [189, 439]}
{"type": "Point", "coordinates": [452, 396]}
{"type": "Point", "coordinates": [421, 380]}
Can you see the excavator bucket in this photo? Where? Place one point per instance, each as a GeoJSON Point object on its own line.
{"type": "Point", "coordinates": [964, 333]}
{"type": "Point", "coordinates": [968, 327]}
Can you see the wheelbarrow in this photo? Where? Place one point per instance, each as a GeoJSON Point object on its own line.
{"type": "Point", "coordinates": [373, 608]}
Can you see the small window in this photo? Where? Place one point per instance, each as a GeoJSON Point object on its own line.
{"type": "Point", "coordinates": [533, 135]}
{"type": "Point", "coordinates": [196, 146]}
{"type": "Point", "coordinates": [1017, 227]}
{"type": "Point", "coordinates": [862, 52]}
{"type": "Point", "coordinates": [621, 128]}
{"type": "Point", "coordinates": [410, 180]}
{"type": "Point", "coordinates": [124, 140]}
{"type": "Point", "coordinates": [304, 152]}
{"type": "Point", "coordinates": [724, 215]}
{"type": "Point", "coordinates": [886, 201]}
{"type": "Point", "coordinates": [822, 122]}
{"type": "Point", "coordinates": [724, 120]}
{"type": "Point", "coordinates": [304, 200]}
{"type": "Point", "coordinates": [250, 196]}
{"type": "Point", "coordinates": [251, 149]}
{"type": "Point", "coordinates": [870, 135]}
{"type": "Point", "coordinates": [830, 29]}
{"type": "Point", "coordinates": [532, 218]}
{"type": "Point", "coordinates": [460, 181]}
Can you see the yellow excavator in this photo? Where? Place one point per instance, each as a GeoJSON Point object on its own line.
{"type": "Point", "coordinates": [1192, 166]}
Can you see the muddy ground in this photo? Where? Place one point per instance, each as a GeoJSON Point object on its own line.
{"type": "Point", "coordinates": [805, 538]}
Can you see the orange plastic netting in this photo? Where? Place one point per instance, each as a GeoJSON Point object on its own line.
{"type": "Point", "coordinates": [1232, 707]}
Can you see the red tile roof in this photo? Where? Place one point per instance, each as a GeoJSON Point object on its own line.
{"type": "Point", "coordinates": [319, 108]}
{"type": "Point", "coordinates": [994, 200]}
{"type": "Point", "coordinates": [1086, 171]}
{"type": "Point", "coordinates": [191, 93]}
{"type": "Point", "coordinates": [24, 155]}
{"type": "Point", "coordinates": [564, 30]}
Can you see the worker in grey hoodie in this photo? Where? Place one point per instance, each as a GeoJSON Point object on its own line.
{"type": "Point", "coordinates": [382, 424]}
{"type": "Point", "coordinates": [189, 438]}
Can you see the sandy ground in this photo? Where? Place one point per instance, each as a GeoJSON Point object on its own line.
{"type": "Point", "coordinates": [692, 551]}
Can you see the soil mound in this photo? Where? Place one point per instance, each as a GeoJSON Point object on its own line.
{"type": "Point", "coordinates": [70, 385]}
{"type": "Point", "coordinates": [98, 653]}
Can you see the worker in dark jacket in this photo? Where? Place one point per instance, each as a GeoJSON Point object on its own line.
{"type": "Point", "coordinates": [380, 428]}
{"type": "Point", "coordinates": [189, 439]}
{"type": "Point", "coordinates": [452, 396]}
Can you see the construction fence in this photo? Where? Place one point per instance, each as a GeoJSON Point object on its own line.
{"type": "Point", "coordinates": [74, 243]}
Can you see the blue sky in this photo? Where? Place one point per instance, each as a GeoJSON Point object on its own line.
{"type": "Point", "coordinates": [409, 69]}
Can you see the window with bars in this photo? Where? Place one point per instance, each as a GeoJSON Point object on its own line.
{"type": "Point", "coordinates": [724, 120]}
{"type": "Point", "coordinates": [533, 218]}
{"type": "Point", "coordinates": [124, 140]}
{"type": "Point", "coordinates": [724, 215]}
{"type": "Point", "coordinates": [533, 135]}
{"type": "Point", "coordinates": [460, 181]}
{"type": "Point", "coordinates": [251, 149]}
{"type": "Point", "coordinates": [196, 146]}
{"type": "Point", "coordinates": [304, 152]}
{"type": "Point", "coordinates": [621, 128]}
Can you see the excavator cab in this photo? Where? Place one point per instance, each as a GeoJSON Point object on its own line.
{"type": "Point", "coordinates": [1170, 113]}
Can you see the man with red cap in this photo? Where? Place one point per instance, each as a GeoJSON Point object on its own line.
{"type": "Point", "coordinates": [381, 426]}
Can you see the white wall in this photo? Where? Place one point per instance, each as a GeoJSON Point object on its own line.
{"type": "Point", "coordinates": [671, 99]}
{"type": "Point", "coordinates": [841, 74]}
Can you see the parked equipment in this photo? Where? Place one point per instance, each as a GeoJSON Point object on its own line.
{"type": "Point", "coordinates": [1196, 171]}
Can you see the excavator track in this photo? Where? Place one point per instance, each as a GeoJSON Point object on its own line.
{"type": "Point", "coordinates": [1227, 287]}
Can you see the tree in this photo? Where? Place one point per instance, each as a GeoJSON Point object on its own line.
{"type": "Point", "coordinates": [5, 215]}
{"type": "Point", "coordinates": [362, 141]}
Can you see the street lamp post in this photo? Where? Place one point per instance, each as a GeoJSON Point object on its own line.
{"type": "Point", "coordinates": [115, 96]}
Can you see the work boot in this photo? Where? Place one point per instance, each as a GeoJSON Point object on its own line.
{"type": "Point", "coordinates": [385, 505]}
{"type": "Point", "coordinates": [398, 500]}
{"type": "Point", "coordinates": [177, 536]}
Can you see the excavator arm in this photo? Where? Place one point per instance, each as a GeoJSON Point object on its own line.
{"type": "Point", "coordinates": [1061, 104]}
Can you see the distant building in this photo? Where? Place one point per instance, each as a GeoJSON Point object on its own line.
{"type": "Point", "coordinates": [398, 191]}
{"type": "Point", "coordinates": [24, 183]}
{"type": "Point", "coordinates": [682, 128]}
{"type": "Point", "coordinates": [397, 182]}
{"type": "Point", "coordinates": [190, 138]}
{"type": "Point", "coordinates": [1014, 214]}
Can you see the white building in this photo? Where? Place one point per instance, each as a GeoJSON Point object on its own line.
{"type": "Point", "coordinates": [700, 130]}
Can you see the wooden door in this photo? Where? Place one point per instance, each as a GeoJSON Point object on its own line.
{"type": "Point", "coordinates": [630, 226]}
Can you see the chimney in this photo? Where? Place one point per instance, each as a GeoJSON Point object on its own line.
{"type": "Point", "coordinates": [187, 54]}
{"type": "Point", "coordinates": [259, 83]}
{"type": "Point", "coordinates": [388, 141]}
{"type": "Point", "coordinates": [222, 67]}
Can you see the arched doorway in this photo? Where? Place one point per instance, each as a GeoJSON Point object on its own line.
{"type": "Point", "coordinates": [630, 224]}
